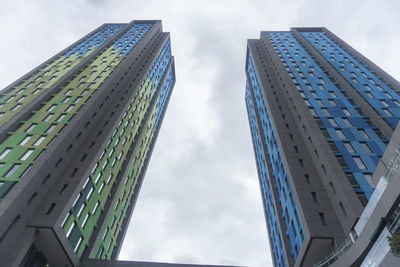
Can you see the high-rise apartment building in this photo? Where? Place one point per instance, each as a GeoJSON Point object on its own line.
{"type": "Point", "coordinates": [321, 116]}
{"type": "Point", "coordinates": [76, 136]}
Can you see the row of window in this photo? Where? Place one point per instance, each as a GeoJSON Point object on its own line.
{"type": "Point", "coordinates": [274, 232]}
{"type": "Point", "coordinates": [317, 101]}
{"type": "Point", "coordinates": [129, 125]}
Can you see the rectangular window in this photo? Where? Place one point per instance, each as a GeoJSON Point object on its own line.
{"type": "Point", "coordinates": [342, 162]}
{"type": "Point", "coordinates": [340, 134]}
{"type": "Point", "coordinates": [52, 108]}
{"type": "Point", "coordinates": [95, 208]}
{"type": "Point", "coordinates": [48, 117]}
{"type": "Point", "coordinates": [101, 188]}
{"type": "Point", "coordinates": [325, 111]}
{"type": "Point", "coordinates": [314, 196]}
{"type": "Point", "coordinates": [61, 118]}
{"type": "Point", "coordinates": [387, 112]}
{"type": "Point", "coordinates": [349, 147]}
{"type": "Point", "coordinates": [81, 209]}
{"type": "Point", "coordinates": [363, 133]}
{"type": "Point", "coordinates": [69, 108]}
{"type": "Point", "coordinates": [89, 193]}
{"type": "Point", "coordinates": [97, 178]}
{"type": "Point", "coordinates": [332, 122]}
{"type": "Point", "coordinates": [322, 217]}
{"type": "Point", "coordinates": [66, 99]}
{"type": "Point", "coordinates": [25, 140]}
{"type": "Point", "coordinates": [346, 111]}
{"type": "Point", "coordinates": [13, 169]}
{"type": "Point", "coordinates": [4, 153]}
{"type": "Point", "coordinates": [85, 220]}
{"type": "Point", "coordinates": [347, 122]}
{"type": "Point", "coordinates": [39, 141]}
{"type": "Point", "coordinates": [51, 128]}
{"type": "Point", "coordinates": [27, 154]}
{"type": "Point", "coordinates": [342, 208]}
{"type": "Point", "coordinates": [366, 147]}
{"type": "Point", "coordinates": [70, 229]}
{"type": "Point", "coordinates": [109, 178]}
{"type": "Point", "coordinates": [359, 163]}
{"type": "Point", "coordinates": [16, 107]}
{"type": "Point", "coordinates": [31, 127]}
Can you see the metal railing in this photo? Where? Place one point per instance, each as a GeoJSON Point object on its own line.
{"type": "Point", "coordinates": [340, 250]}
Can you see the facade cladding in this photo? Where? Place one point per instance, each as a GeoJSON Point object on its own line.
{"type": "Point", "coordinates": [76, 135]}
{"type": "Point", "coordinates": [321, 116]}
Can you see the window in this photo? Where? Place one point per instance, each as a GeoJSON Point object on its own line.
{"type": "Point", "coordinates": [346, 112]}
{"type": "Point", "coordinates": [352, 180]}
{"type": "Point", "coordinates": [325, 111]}
{"type": "Point", "coordinates": [13, 169]}
{"type": "Point", "coordinates": [4, 153]}
{"type": "Point", "coordinates": [322, 217]}
{"type": "Point", "coordinates": [340, 134]}
{"type": "Point", "coordinates": [342, 208]}
{"type": "Point", "coordinates": [362, 198]}
{"type": "Point", "coordinates": [101, 188]}
{"type": "Point", "coordinates": [39, 141]}
{"type": "Point", "coordinates": [27, 154]}
{"type": "Point", "coordinates": [89, 193]}
{"type": "Point", "coordinates": [109, 178]}
{"type": "Point", "coordinates": [95, 208]}
{"type": "Point", "coordinates": [16, 107]}
{"type": "Point", "coordinates": [314, 196]}
{"type": "Point", "coordinates": [85, 220]}
{"type": "Point", "coordinates": [51, 128]}
{"type": "Point", "coordinates": [363, 133]}
{"type": "Point", "coordinates": [332, 122]}
{"type": "Point", "coordinates": [387, 112]}
{"type": "Point", "coordinates": [25, 140]}
{"type": "Point", "coordinates": [48, 117]}
{"type": "Point", "coordinates": [349, 147]}
{"type": "Point", "coordinates": [342, 162]}
{"type": "Point", "coordinates": [347, 122]}
{"type": "Point", "coordinates": [366, 147]}
{"type": "Point", "coordinates": [332, 187]}
{"type": "Point", "coordinates": [70, 229]}
{"type": "Point", "coordinates": [66, 99]}
{"type": "Point", "coordinates": [97, 178]}
{"type": "Point", "coordinates": [61, 118]}
{"type": "Point", "coordinates": [31, 127]}
{"type": "Point", "coordinates": [360, 163]}
{"type": "Point", "coordinates": [80, 210]}
{"type": "Point", "coordinates": [52, 108]}
{"type": "Point", "coordinates": [69, 108]}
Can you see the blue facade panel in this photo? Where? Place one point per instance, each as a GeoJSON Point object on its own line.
{"type": "Point", "coordinates": [271, 216]}
{"type": "Point", "coordinates": [129, 39]}
{"type": "Point", "coordinates": [357, 144]}
{"type": "Point", "coordinates": [295, 231]}
{"type": "Point", "coordinates": [382, 98]}
{"type": "Point", "coordinates": [95, 40]}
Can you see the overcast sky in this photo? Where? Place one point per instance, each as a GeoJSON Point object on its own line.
{"type": "Point", "coordinates": [200, 201]}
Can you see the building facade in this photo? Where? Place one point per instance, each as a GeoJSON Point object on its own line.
{"type": "Point", "coordinates": [321, 117]}
{"type": "Point", "coordinates": [77, 133]}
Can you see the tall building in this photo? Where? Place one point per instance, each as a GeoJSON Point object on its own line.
{"type": "Point", "coordinates": [77, 133]}
{"type": "Point", "coordinates": [321, 116]}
